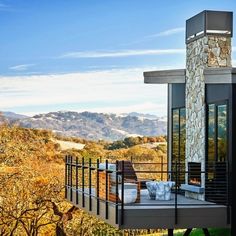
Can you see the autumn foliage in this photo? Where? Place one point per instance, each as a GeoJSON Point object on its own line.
{"type": "Point", "coordinates": [32, 182]}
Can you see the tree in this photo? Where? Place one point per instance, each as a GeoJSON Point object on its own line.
{"type": "Point", "coordinates": [32, 184]}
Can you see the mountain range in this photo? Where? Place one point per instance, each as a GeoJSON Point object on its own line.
{"type": "Point", "coordinates": [94, 126]}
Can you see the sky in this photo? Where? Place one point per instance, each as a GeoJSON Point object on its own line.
{"type": "Point", "coordinates": [90, 55]}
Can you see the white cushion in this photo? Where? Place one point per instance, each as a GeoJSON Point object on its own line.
{"type": "Point", "coordinates": [102, 166]}
{"type": "Point", "coordinates": [130, 195]}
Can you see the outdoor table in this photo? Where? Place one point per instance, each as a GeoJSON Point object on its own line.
{"type": "Point", "coordinates": [160, 190]}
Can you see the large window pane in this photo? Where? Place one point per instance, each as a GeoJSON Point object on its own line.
{"type": "Point", "coordinates": [175, 136]}
{"type": "Point", "coordinates": [178, 144]}
{"type": "Point", "coordinates": [216, 183]}
{"type": "Point", "coordinates": [182, 144]}
{"type": "Point", "coordinates": [182, 134]}
{"type": "Point", "coordinates": [222, 133]}
{"type": "Point", "coordinates": [211, 141]}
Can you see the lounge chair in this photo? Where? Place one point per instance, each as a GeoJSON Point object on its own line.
{"type": "Point", "coordinates": [129, 177]}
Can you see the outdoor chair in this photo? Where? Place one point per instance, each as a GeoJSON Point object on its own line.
{"type": "Point", "coordinates": [130, 174]}
{"type": "Point", "coordinates": [130, 178]}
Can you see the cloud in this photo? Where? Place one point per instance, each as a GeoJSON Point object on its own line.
{"type": "Point", "coordinates": [145, 107]}
{"type": "Point", "coordinates": [128, 53]}
{"type": "Point", "coordinates": [121, 53]}
{"type": "Point", "coordinates": [116, 90]}
{"type": "Point", "coordinates": [234, 63]}
{"type": "Point", "coordinates": [21, 67]}
{"type": "Point", "coordinates": [167, 32]}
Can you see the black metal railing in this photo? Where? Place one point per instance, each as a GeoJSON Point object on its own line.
{"type": "Point", "coordinates": [95, 183]}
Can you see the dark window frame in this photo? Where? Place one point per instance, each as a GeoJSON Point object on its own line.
{"type": "Point", "coordinates": [216, 163]}
{"type": "Point", "coordinates": [179, 140]}
{"type": "Point", "coordinates": [216, 105]}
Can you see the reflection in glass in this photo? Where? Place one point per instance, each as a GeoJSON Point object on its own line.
{"type": "Point", "coordinates": [182, 144]}
{"type": "Point", "coordinates": [222, 133]}
{"type": "Point", "coordinates": [217, 153]}
{"type": "Point", "coordinates": [211, 141]}
{"type": "Point", "coordinates": [178, 143]}
{"type": "Point", "coordinates": [175, 136]}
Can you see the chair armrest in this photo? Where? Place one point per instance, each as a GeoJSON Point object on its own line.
{"type": "Point", "coordinates": [131, 180]}
{"type": "Point", "coordinates": [146, 180]}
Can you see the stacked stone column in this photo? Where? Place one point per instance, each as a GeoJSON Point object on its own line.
{"type": "Point", "coordinates": [208, 51]}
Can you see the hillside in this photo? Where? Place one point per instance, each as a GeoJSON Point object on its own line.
{"type": "Point", "coordinates": [97, 126]}
{"type": "Point", "coordinates": [10, 117]}
{"type": "Point", "coordinates": [32, 180]}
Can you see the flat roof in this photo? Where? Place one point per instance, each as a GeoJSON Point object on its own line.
{"type": "Point", "coordinates": [220, 75]}
{"type": "Point", "coordinates": [164, 76]}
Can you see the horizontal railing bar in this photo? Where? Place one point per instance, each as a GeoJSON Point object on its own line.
{"type": "Point", "coordinates": [149, 204]}
{"type": "Point", "coordinates": [101, 199]}
{"type": "Point", "coordinates": [113, 162]}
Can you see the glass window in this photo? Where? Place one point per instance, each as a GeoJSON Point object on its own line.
{"type": "Point", "coordinates": [178, 143]}
{"type": "Point", "coordinates": [211, 141]}
{"type": "Point", "coordinates": [175, 136]}
{"type": "Point", "coordinates": [217, 152]}
{"type": "Point", "coordinates": [217, 133]}
{"type": "Point", "coordinates": [222, 133]}
{"type": "Point", "coordinates": [182, 134]}
{"type": "Point", "coordinates": [182, 145]}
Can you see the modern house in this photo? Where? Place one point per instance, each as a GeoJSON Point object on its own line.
{"type": "Point", "coordinates": [201, 144]}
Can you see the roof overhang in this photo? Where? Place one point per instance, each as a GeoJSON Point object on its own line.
{"type": "Point", "coordinates": [220, 75]}
{"type": "Point", "coordinates": [225, 75]}
{"type": "Point", "coordinates": [165, 76]}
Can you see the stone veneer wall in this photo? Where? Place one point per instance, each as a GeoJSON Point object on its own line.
{"type": "Point", "coordinates": [208, 51]}
{"type": "Point", "coordinates": [219, 51]}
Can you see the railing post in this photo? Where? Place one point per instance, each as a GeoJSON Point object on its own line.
{"type": "Point", "coordinates": [122, 194]}
{"type": "Point", "coordinates": [98, 203]}
{"type": "Point", "coordinates": [66, 176]}
{"type": "Point", "coordinates": [83, 203]}
{"type": "Point", "coordinates": [77, 179]}
{"type": "Point", "coordinates": [161, 168]}
{"type": "Point", "coordinates": [228, 193]}
{"type": "Point", "coordinates": [90, 186]}
{"type": "Point", "coordinates": [106, 213]}
{"type": "Point", "coordinates": [117, 192]}
{"type": "Point", "coordinates": [176, 200]}
{"type": "Point", "coordinates": [71, 180]}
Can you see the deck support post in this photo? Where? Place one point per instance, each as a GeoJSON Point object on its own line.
{"type": "Point", "coordinates": [187, 232]}
{"type": "Point", "coordinates": [170, 232]}
{"type": "Point", "coordinates": [206, 232]}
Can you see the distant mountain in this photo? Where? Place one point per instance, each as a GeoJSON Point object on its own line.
{"type": "Point", "coordinates": [11, 117]}
{"type": "Point", "coordinates": [141, 115]}
{"type": "Point", "coordinates": [96, 126]}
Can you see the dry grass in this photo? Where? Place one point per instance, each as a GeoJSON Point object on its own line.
{"type": "Point", "coordinates": [65, 145]}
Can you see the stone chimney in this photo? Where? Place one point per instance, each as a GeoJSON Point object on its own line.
{"type": "Point", "coordinates": [208, 44]}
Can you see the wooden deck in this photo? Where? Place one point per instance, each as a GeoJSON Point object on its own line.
{"type": "Point", "coordinates": [181, 201]}
{"type": "Point", "coordinates": [152, 214]}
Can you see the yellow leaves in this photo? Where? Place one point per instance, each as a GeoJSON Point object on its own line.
{"type": "Point", "coordinates": [18, 144]}
{"type": "Point", "coordinates": [32, 177]}
{"type": "Point", "coordinates": [40, 181]}
{"type": "Point", "coordinates": [8, 170]}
